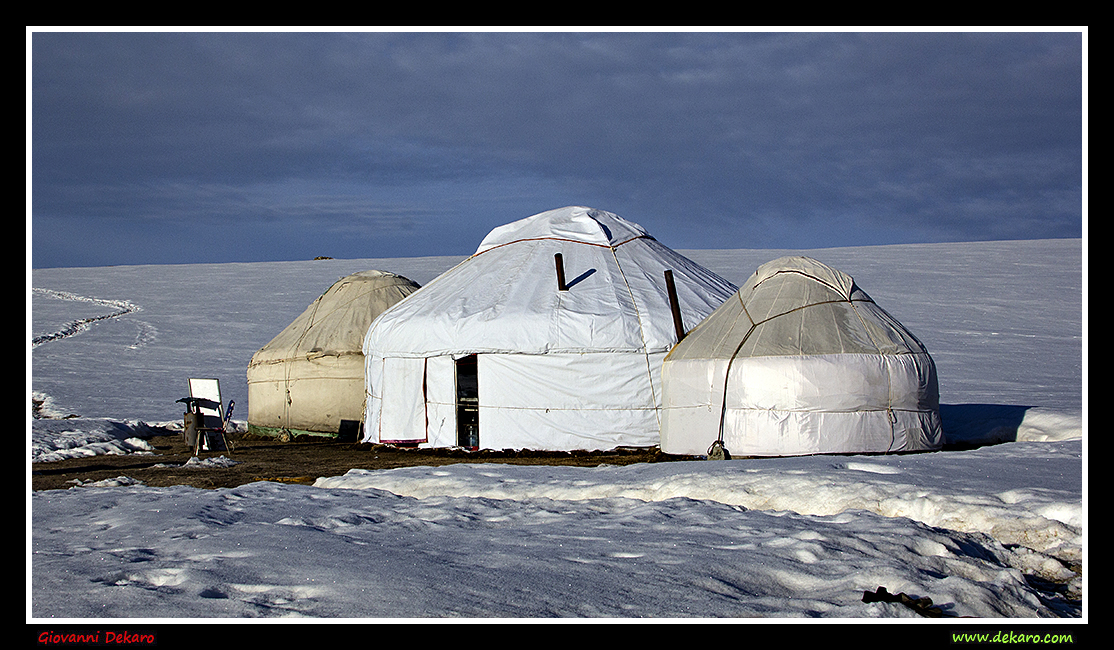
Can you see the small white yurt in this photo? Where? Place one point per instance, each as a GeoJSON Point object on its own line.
{"type": "Point", "coordinates": [800, 361]}
{"type": "Point", "coordinates": [549, 337]}
{"type": "Point", "coordinates": [310, 378]}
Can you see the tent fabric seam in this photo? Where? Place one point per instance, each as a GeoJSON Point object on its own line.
{"type": "Point", "coordinates": [887, 409]}
{"type": "Point", "coordinates": [889, 383]}
{"type": "Point", "coordinates": [805, 274]}
{"type": "Point", "coordinates": [305, 357]}
{"type": "Point", "coordinates": [641, 330]}
{"type": "Point", "coordinates": [565, 239]}
{"type": "Point", "coordinates": [813, 304]}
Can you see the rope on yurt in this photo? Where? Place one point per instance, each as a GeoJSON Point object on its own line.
{"type": "Point", "coordinates": [718, 451]}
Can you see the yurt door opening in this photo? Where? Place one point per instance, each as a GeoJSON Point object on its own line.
{"type": "Point", "coordinates": [467, 403]}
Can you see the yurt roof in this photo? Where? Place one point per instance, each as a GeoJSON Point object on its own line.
{"type": "Point", "coordinates": [797, 305]}
{"type": "Point", "coordinates": [577, 224]}
{"type": "Point", "coordinates": [505, 298]}
{"type": "Point", "coordinates": [337, 321]}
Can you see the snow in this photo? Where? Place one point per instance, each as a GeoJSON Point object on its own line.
{"type": "Point", "coordinates": [992, 530]}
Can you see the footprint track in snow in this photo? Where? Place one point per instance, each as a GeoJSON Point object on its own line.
{"type": "Point", "coordinates": [146, 333]}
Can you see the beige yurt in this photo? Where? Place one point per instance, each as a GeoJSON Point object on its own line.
{"type": "Point", "coordinates": [799, 361]}
{"type": "Point", "coordinates": [310, 378]}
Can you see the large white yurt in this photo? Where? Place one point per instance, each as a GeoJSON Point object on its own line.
{"type": "Point", "coordinates": [549, 337]}
{"type": "Point", "coordinates": [310, 378]}
{"type": "Point", "coordinates": [800, 361]}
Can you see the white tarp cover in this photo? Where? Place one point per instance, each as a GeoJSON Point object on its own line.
{"type": "Point", "coordinates": [310, 377]}
{"type": "Point", "coordinates": [800, 361]}
{"type": "Point", "coordinates": [575, 369]}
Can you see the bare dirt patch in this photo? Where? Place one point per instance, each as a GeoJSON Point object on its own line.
{"type": "Point", "coordinates": [301, 460]}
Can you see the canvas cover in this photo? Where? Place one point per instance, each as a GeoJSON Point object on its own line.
{"type": "Point", "coordinates": [574, 369]}
{"type": "Point", "coordinates": [800, 361]}
{"type": "Point", "coordinates": [310, 377]}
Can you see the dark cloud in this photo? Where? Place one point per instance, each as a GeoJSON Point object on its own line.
{"type": "Point", "coordinates": [397, 144]}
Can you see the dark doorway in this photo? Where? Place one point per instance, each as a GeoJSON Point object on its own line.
{"type": "Point", "coordinates": [349, 430]}
{"type": "Point", "coordinates": [467, 403]}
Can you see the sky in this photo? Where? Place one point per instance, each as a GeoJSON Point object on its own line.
{"type": "Point", "coordinates": [170, 147]}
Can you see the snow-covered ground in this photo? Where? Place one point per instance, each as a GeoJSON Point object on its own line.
{"type": "Point", "coordinates": [992, 532]}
